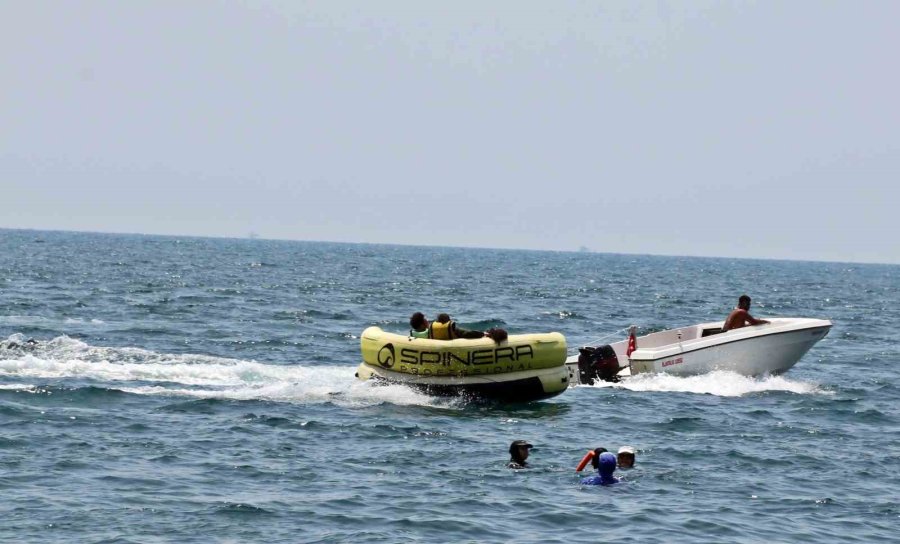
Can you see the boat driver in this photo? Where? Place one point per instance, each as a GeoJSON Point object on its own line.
{"type": "Point", "coordinates": [740, 316]}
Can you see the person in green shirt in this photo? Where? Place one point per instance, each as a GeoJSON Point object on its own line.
{"type": "Point", "coordinates": [418, 325]}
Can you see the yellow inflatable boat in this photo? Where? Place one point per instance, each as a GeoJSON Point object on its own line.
{"type": "Point", "coordinates": [522, 368]}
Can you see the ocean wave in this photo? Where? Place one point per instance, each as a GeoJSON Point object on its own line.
{"type": "Point", "coordinates": [82, 320]}
{"type": "Point", "coordinates": [719, 383]}
{"type": "Point", "coordinates": [563, 314]}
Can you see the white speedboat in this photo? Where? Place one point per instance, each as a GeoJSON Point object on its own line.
{"type": "Point", "coordinates": [771, 348]}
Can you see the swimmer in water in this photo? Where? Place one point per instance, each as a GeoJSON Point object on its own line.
{"type": "Point", "coordinates": [518, 453]}
{"type": "Point", "coordinates": [605, 463]}
{"type": "Point", "coordinates": [625, 458]}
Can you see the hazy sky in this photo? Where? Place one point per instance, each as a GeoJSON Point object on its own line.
{"type": "Point", "coordinates": [757, 129]}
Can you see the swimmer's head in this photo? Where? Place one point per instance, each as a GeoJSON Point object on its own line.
{"type": "Point", "coordinates": [626, 457]}
{"type": "Point", "coordinates": [518, 450]}
{"type": "Point", "coordinates": [595, 459]}
{"type": "Point", "coordinates": [607, 464]}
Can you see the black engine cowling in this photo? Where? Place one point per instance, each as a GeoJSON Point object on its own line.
{"type": "Point", "coordinates": [598, 363]}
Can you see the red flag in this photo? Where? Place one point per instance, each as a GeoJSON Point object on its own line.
{"type": "Point", "coordinates": [632, 344]}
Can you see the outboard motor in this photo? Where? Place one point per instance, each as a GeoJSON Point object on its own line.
{"type": "Point", "coordinates": [598, 363]}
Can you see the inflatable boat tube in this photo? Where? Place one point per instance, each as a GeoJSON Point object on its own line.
{"type": "Point", "coordinates": [461, 357]}
{"type": "Point", "coordinates": [521, 368]}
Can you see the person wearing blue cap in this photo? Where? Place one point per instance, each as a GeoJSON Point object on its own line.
{"type": "Point", "coordinates": [605, 463]}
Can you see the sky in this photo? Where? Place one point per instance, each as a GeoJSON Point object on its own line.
{"type": "Point", "coordinates": [734, 129]}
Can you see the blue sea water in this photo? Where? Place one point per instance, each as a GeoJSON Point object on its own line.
{"type": "Point", "coordinates": [203, 390]}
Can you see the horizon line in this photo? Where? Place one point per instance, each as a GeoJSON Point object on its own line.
{"type": "Point", "coordinates": [254, 237]}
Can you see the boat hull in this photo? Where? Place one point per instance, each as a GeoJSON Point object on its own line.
{"type": "Point", "coordinates": [507, 387]}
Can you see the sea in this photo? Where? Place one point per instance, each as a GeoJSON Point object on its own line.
{"type": "Point", "coordinates": [202, 390]}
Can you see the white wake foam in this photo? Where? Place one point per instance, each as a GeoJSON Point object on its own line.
{"type": "Point", "coordinates": [16, 387]}
{"type": "Point", "coordinates": [40, 321]}
{"type": "Point", "coordinates": [719, 383]}
{"type": "Point", "coordinates": [198, 376]}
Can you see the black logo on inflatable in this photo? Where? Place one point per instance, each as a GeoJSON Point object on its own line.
{"type": "Point", "coordinates": [386, 356]}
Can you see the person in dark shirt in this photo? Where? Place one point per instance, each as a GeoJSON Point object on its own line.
{"type": "Point", "coordinates": [518, 453]}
